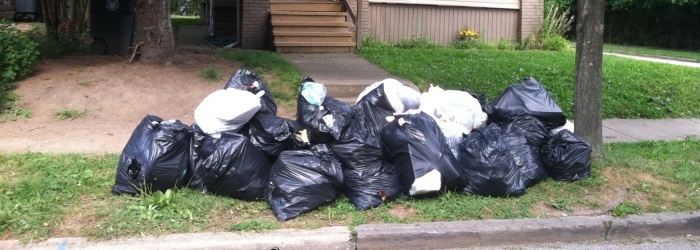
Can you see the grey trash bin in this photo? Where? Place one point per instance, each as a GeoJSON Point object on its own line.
{"type": "Point", "coordinates": [111, 26]}
{"type": "Point", "coordinates": [30, 9]}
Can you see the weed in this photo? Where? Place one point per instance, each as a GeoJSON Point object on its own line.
{"type": "Point", "coordinates": [625, 209]}
{"type": "Point", "coordinates": [210, 74]}
{"type": "Point", "coordinates": [562, 205]}
{"type": "Point", "coordinates": [417, 43]}
{"type": "Point", "coordinates": [69, 114]}
{"type": "Point", "coordinates": [252, 225]}
{"type": "Point", "coordinates": [9, 111]}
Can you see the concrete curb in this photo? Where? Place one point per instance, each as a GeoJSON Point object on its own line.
{"type": "Point", "coordinates": [432, 235]}
{"type": "Point", "coordinates": [322, 238]}
{"type": "Point", "coordinates": [442, 235]}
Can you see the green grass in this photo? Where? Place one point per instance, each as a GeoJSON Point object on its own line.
{"type": "Point", "coordinates": [693, 55]}
{"type": "Point", "coordinates": [179, 21]}
{"type": "Point", "coordinates": [69, 114]}
{"type": "Point", "coordinates": [210, 74]}
{"type": "Point", "coordinates": [282, 77]}
{"type": "Point", "coordinates": [46, 195]}
{"type": "Point", "coordinates": [631, 88]}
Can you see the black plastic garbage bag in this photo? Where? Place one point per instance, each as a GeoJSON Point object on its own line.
{"type": "Point", "coordinates": [361, 143]}
{"type": "Point", "coordinates": [155, 158]}
{"type": "Point", "coordinates": [417, 147]}
{"type": "Point", "coordinates": [324, 122]}
{"type": "Point", "coordinates": [371, 186]}
{"type": "Point", "coordinates": [244, 79]}
{"type": "Point", "coordinates": [533, 130]}
{"type": "Point", "coordinates": [272, 134]}
{"type": "Point", "coordinates": [302, 180]}
{"type": "Point", "coordinates": [487, 165]}
{"type": "Point", "coordinates": [527, 158]}
{"type": "Point", "coordinates": [229, 166]}
{"type": "Point", "coordinates": [567, 157]}
{"type": "Point", "coordinates": [531, 97]}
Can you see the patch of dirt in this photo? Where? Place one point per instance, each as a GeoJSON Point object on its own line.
{"type": "Point", "coordinates": [115, 96]}
{"type": "Point", "coordinates": [401, 211]}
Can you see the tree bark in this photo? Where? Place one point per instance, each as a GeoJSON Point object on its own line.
{"type": "Point", "coordinates": [588, 90]}
{"type": "Point", "coordinates": [154, 29]}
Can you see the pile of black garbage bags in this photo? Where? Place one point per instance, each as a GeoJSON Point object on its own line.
{"type": "Point", "coordinates": [393, 141]}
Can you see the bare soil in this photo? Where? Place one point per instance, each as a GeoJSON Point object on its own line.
{"type": "Point", "coordinates": [115, 96]}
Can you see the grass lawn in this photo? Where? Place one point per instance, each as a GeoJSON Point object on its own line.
{"type": "Point", "coordinates": [631, 88]}
{"type": "Point", "coordinates": [693, 55]}
{"type": "Point", "coordinates": [46, 195]}
{"type": "Point", "coordinates": [179, 21]}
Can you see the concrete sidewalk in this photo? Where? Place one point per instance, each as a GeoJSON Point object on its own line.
{"type": "Point", "coordinates": [658, 59]}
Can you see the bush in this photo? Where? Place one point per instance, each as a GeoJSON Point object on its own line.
{"type": "Point", "coordinates": [18, 55]}
{"type": "Point", "coordinates": [417, 43]}
{"type": "Point", "coordinates": [554, 42]}
{"type": "Point", "coordinates": [550, 36]}
{"type": "Point", "coordinates": [55, 47]}
{"type": "Point", "coordinates": [471, 44]}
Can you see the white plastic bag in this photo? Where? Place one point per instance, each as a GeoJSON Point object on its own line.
{"type": "Point", "coordinates": [401, 98]}
{"type": "Point", "coordinates": [568, 126]}
{"type": "Point", "coordinates": [226, 110]}
{"type": "Point", "coordinates": [453, 106]}
{"type": "Point", "coordinates": [427, 183]}
{"type": "Point", "coordinates": [314, 93]}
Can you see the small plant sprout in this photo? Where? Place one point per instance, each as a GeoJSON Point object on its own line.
{"type": "Point", "coordinates": [69, 114]}
{"type": "Point", "coordinates": [210, 74]}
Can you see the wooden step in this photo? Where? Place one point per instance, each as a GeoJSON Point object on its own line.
{"type": "Point", "coordinates": [305, 6]}
{"type": "Point", "coordinates": [307, 34]}
{"type": "Point", "coordinates": [309, 24]}
{"type": "Point", "coordinates": [306, 50]}
{"type": "Point", "coordinates": [308, 16]}
{"type": "Point", "coordinates": [309, 29]}
{"type": "Point", "coordinates": [313, 44]}
{"type": "Point", "coordinates": [313, 39]}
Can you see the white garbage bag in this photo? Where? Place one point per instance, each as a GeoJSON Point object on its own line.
{"type": "Point", "coordinates": [568, 126]}
{"type": "Point", "coordinates": [400, 97]}
{"type": "Point", "coordinates": [226, 110]}
{"type": "Point", "coordinates": [453, 106]}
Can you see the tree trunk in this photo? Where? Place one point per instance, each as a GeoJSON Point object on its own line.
{"type": "Point", "coordinates": [51, 11]}
{"type": "Point", "coordinates": [588, 91]}
{"type": "Point", "coordinates": [77, 24]}
{"type": "Point", "coordinates": [154, 29]}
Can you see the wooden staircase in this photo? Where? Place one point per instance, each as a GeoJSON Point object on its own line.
{"type": "Point", "coordinates": [310, 27]}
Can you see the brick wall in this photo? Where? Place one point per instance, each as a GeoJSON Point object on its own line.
{"type": "Point", "coordinates": [531, 12]}
{"type": "Point", "coordinates": [255, 19]}
{"type": "Point", "coordinates": [365, 14]}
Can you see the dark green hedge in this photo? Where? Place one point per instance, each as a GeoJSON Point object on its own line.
{"type": "Point", "coordinates": [663, 25]}
{"type": "Point", "coordinates": [657, 23]}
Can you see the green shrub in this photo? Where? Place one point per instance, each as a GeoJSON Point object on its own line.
{"type": "Point", "coordinates": [506, 45]}
{"type": "Point", "coordinates": [417, 43]}
{"type": "Point", "coordinates": [18, 55]}
{"type": "Point", "coordinates": [550, 36]}
{"type": "Point", "coordinates": [554, 42]}
{"type": "Point", "coordinates": [55, 47]}
{"type": "Point", "coordinates": [471, 44]}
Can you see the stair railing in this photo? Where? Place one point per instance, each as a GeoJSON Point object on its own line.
{"type": "Point", "coordinates": [356, 20]}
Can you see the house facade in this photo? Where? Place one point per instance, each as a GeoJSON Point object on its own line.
{"type": "Point", "coordinates": [257, 24]}
{"type": "Point", "coordinates": [6, 8]}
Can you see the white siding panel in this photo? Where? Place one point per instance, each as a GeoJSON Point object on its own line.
{"type": "Point", "coordinates": [393, 22]}
{"type": "Point", "coordinates": [499, 4]}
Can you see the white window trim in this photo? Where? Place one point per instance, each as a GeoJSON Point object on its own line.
{"type": "Point", "coordinates": [497, 4]}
